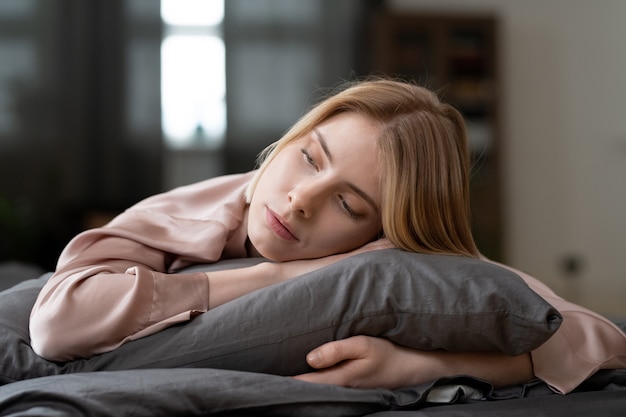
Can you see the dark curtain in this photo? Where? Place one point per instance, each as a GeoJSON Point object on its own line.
{"type": "Point", "coordinates": [71, 160]}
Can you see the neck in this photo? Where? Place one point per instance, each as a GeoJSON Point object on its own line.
{"type": "Point", "coordinates": [251, 250]}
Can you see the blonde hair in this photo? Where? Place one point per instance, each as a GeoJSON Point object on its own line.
{"type": "Point", "coordinates": [424, 159]}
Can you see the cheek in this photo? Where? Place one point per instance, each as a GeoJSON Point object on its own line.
{"type": "Point", "coordinates": [285, 160]}
{"type": "Point", "coordinates": [344, 235]}
{"type": "Point", "coordinates": [265, 188]}
{"type": "Point", "coordinates": [273, 178]}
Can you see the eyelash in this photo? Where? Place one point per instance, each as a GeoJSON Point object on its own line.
{"type": "Point", "coordinates": [344, 205]}
{"type": "Point", "coordinates": [308, 158]}
{"type": "Point", "coordinates": [348, 210]}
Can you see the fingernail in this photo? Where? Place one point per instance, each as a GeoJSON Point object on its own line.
{"type": "Point", "coordinates": [313, 358]}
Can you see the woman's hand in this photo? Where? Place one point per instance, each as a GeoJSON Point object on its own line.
{"type": "Point", "coordinates": [370, 362]}
{"type": "Point", "coordinates": [361, 362]}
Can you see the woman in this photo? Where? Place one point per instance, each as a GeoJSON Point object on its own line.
{"type": "Point", "coordinates": [379, 164]}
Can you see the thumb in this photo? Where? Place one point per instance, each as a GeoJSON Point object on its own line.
{"type": "Point", "coordinates": [331, 353]}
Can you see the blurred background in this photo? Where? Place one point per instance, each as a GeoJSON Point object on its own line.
{"type": "Point", "coordinates": [105, 102]}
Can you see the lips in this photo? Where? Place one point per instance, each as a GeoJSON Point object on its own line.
{"type": "Point", "coordinates": [279, 226]}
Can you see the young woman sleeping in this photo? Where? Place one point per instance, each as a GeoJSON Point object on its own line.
{"type": "Point", "coordinates": [380, 164]}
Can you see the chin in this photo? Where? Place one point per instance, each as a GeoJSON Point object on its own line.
{"type": "Point", "coordinates": [282, 256]}
{"type": "Point", "coordinates": [282, 252]}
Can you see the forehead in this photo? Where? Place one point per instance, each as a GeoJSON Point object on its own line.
{"type": "Point", "coordinates": [349, 129]}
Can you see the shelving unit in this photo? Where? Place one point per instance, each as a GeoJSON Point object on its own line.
{"type": "Point", "coordinates": [455, 56]}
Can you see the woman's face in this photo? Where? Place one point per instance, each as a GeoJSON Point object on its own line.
{"type": "Point", "coordinates": [320, 195]}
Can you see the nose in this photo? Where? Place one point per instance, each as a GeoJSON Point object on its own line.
{"type": "Point", "coordinates": [305, 197]}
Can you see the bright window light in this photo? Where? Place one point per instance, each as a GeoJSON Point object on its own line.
{"type": "Point", "coordinates": [193, 80]}
{"type": "Point", "coordinates": [192, 12]}
{"type": "Point", "coordinates": [193, 89]}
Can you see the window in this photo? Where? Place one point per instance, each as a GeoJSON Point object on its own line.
{"type": "Point", "coordinates": [193, 75]}
{"type": "Point", "coordinates": [19, 60]}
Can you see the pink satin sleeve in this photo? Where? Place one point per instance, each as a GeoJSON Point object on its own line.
{"type": "Point", "coordinates": [584, 343]}
{"type": "Point", "coordinates": [88, 311]}
{"type": "Point", "coordinates": [120, 282]}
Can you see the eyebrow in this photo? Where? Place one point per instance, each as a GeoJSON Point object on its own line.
{"type": "Point", "coordinates": [357, 190]}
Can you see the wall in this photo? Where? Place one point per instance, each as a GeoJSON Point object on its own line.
{"type": "Point", "coordinates": [564, 132]}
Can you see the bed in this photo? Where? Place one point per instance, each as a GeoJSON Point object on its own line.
{"type": "Point", "coordinates": [236, 360]}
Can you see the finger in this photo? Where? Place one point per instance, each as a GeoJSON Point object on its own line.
{"type": "Point", "coordinates": [382, 243]}
{"type": "Point", "coordinates": [322, 377]}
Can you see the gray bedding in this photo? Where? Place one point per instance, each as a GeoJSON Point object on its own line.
{"type": "Point", "coordinates": [204, 392]}
{"type": "Point", "coordinates": [236, 360]}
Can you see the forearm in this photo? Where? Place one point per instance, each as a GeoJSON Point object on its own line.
{"type": "Point", "coordinates": [93, 310]}
{"type": "Point", "coordinates": [227, 285]}
{"type": "Point", "coordinates": [494, 367]}
{"type": "Point", "coordinates": [417, 366]}
{"type": "Point", "coordinates": [372, 362]}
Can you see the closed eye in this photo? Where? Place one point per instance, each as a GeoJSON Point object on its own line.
{"type": "Point", "coordinates": [308, 158]}
{"type": "Point", "coordinates": [342, 201]}
{"type": "Point", "coordinates": [346, 207]}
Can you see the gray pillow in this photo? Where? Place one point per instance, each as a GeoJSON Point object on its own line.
{"type": "Point", "coordinates": [17, 359]}
{"type": "Point", "coordinates": [421, 301]}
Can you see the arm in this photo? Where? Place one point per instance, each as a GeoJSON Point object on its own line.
{"type": "Point", "coordinates": [113, 284]}
{"type": "Point", "coordinates": [369, 362]}
{"type": "Point", "coordinates": [585, 343]}
{"type": "Point", "coordinates": [119, 282]}
{"type": "Point", "coordinates": [98, 301]}
{"type": "Point", "coordinates": [117, 289]}
{"type": "Point", "coordinates": [227, 285]}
